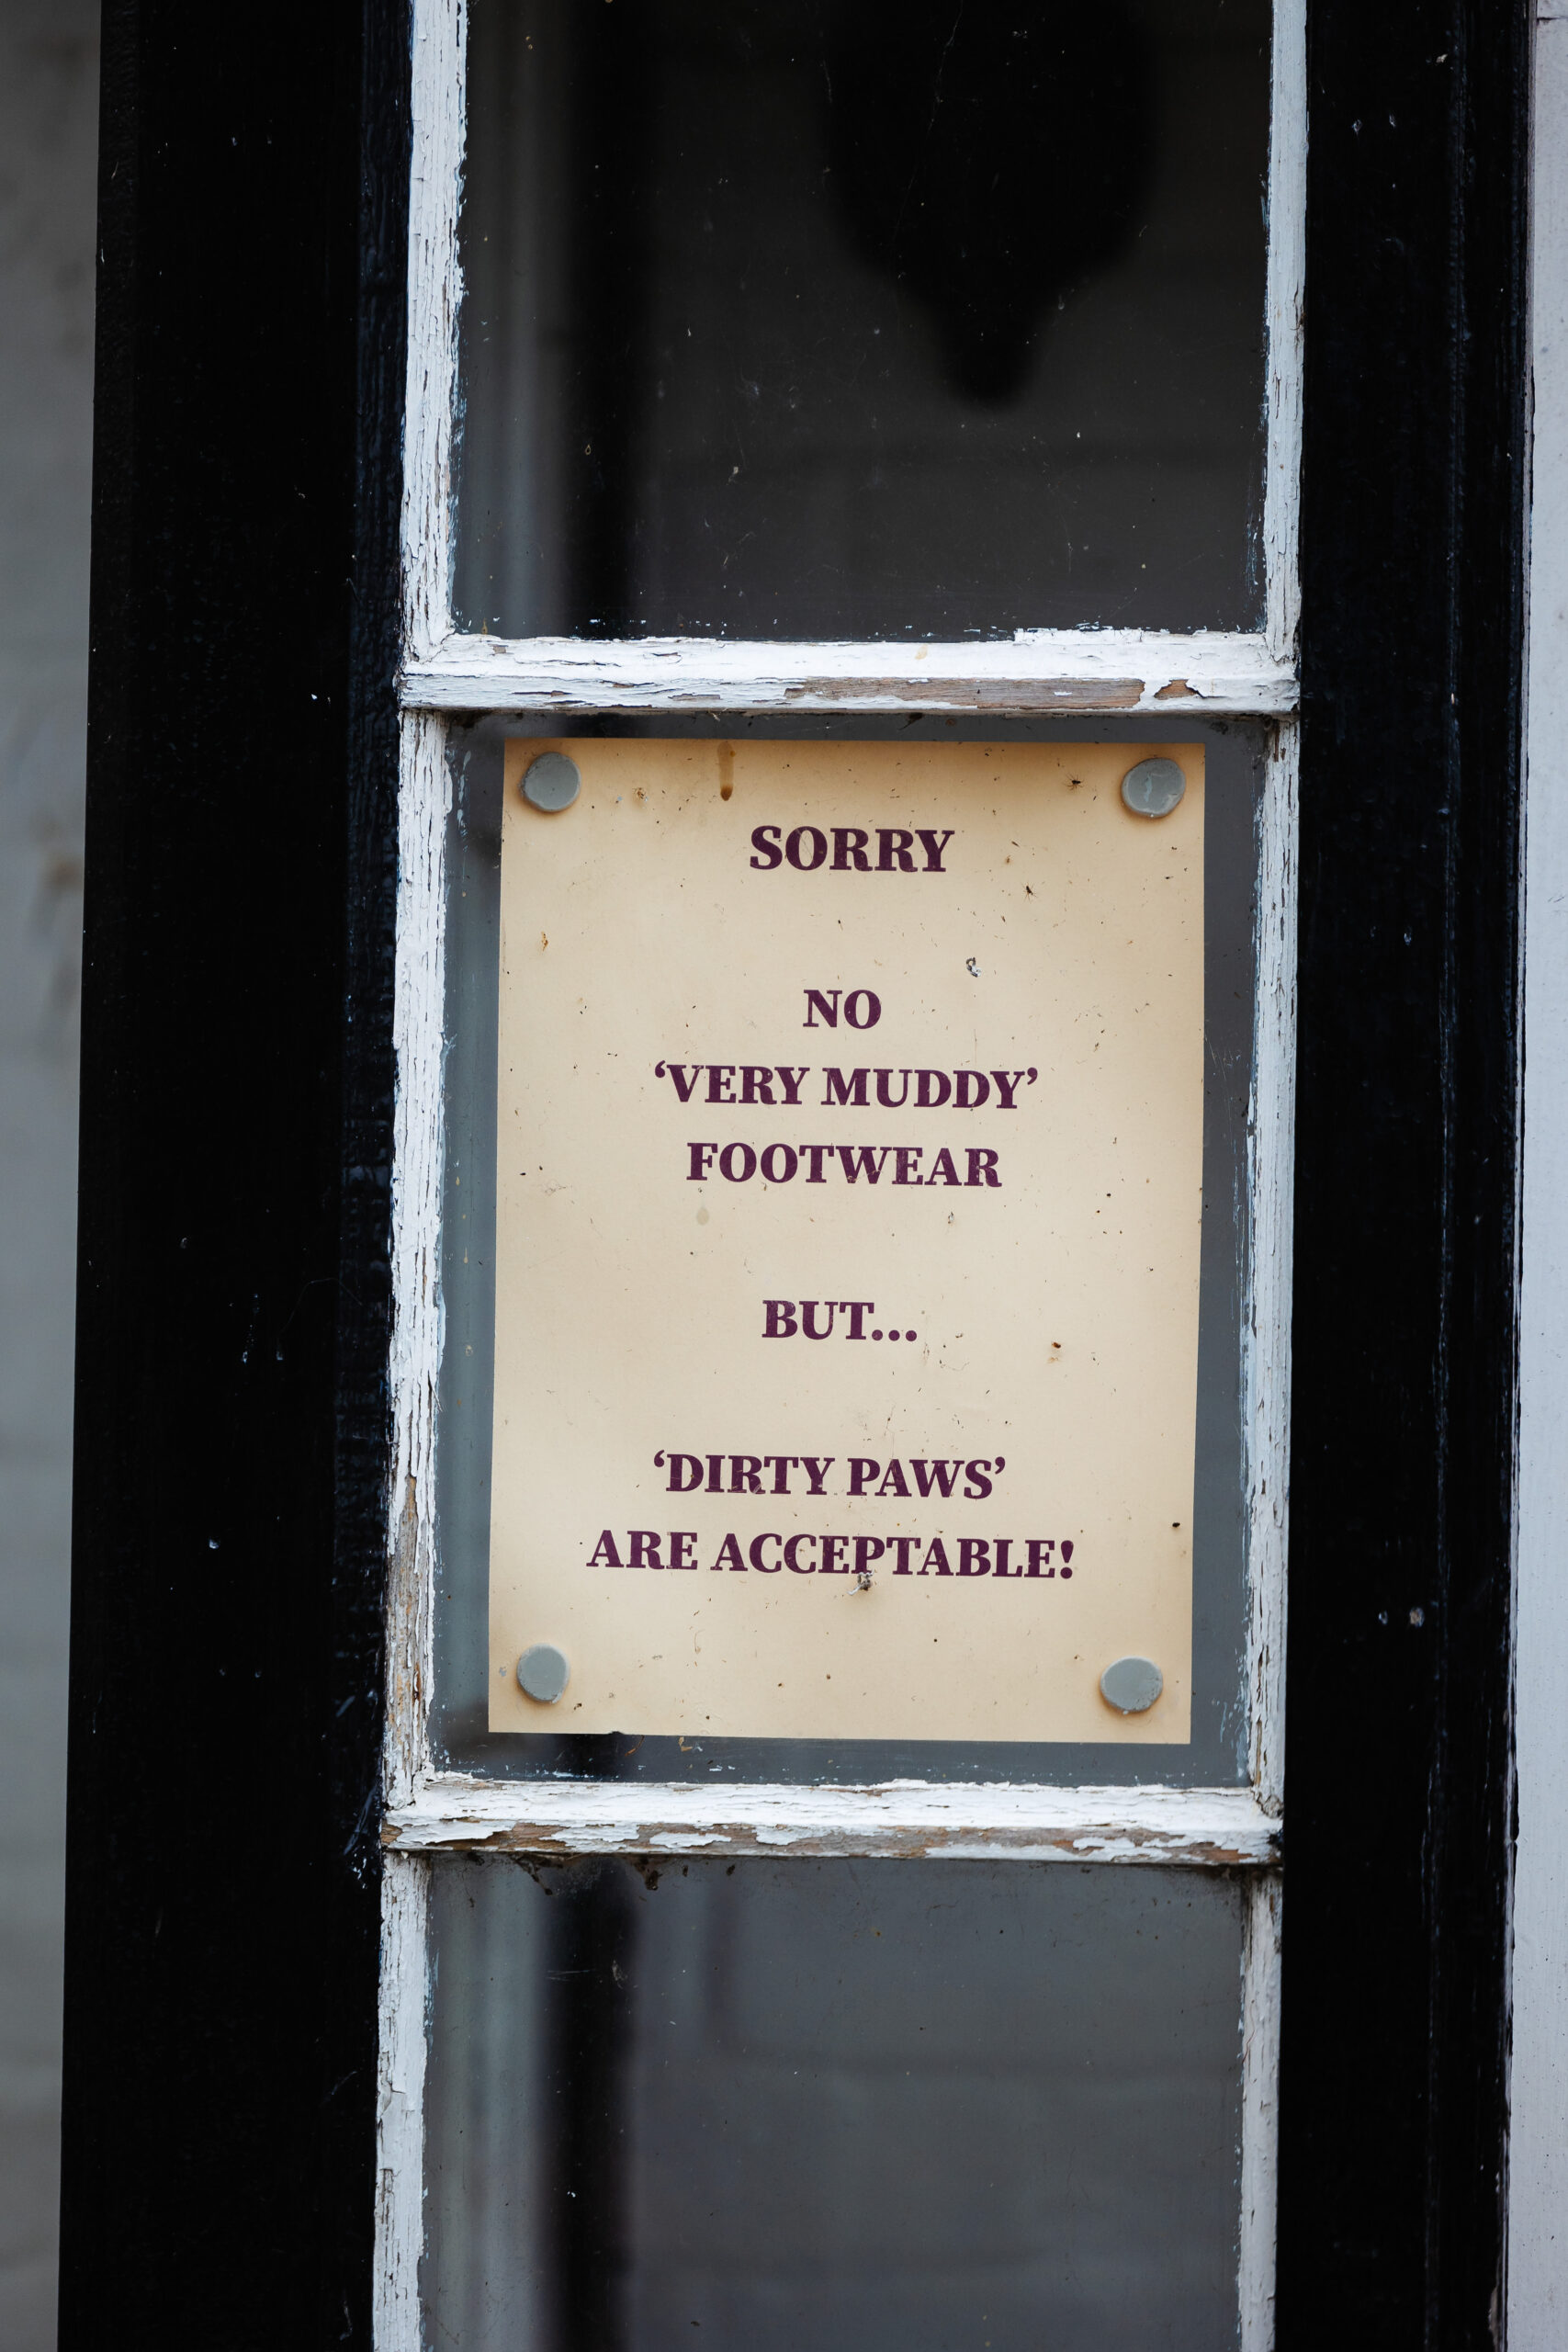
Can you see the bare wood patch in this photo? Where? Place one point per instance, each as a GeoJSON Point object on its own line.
{"type": "Point", "coordinates": [965, 693]}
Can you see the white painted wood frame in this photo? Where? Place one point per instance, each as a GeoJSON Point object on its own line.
{"type": "Point", "coordinates": [1206, 1829]}
{"type": "Point", "coordinates": [1536, 2315]}
{"type": "Point", "coordinates": [1033, 674]}
{"type": "Point", "coordinates": [1088, 672]}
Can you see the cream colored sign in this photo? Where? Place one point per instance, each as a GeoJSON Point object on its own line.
{"type": "Point", "coordinates": [849, 1185]}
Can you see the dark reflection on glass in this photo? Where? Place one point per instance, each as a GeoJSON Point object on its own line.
{"type": "Point", "coordinates": [844, 2104]}
{"type": "Point", "coordinates": [829, 317]}
{"type": "Point", "coordinates": [970, 155]}
{"type": "Point", "coordinates": [589, 2020]}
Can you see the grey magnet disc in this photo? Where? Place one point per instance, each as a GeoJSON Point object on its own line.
{"type": "Point", "coordinates": [543, 1672]}
{"type": "Point", "coordinates": [1154, 787]}
{"type": "Point", "coordinates": [1132, 1685]}
{"type": "Point", "coordinates": [552, 782]}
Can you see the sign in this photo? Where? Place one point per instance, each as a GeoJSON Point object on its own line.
{"type": "Point", "coordinates": [849, 1157]}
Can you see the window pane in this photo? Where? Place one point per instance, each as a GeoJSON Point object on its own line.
{"type": "Point", "coordinates": [799, 318]}
{"type": "Point", "coordinates": [1216, 1753]}
{"type": "Point", "coordinates": [840, 2104]}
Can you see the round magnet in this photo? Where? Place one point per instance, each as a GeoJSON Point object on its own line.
{"type": "Point", "coordinates": [1132, 1685]}
{"type": "Point", "coordinates": [552, 783]}
{"type": "Point", "coordinates": [1154, 787]}
{"type": "Point", "coordinates": [543, 1672]}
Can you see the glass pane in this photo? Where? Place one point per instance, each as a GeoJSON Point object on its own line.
{"type": "Point", "coordinates": [839, 2104]}
{"type": "Point", "coordinates": [813, 318]}
{"type": "Point", "coordinates": [1215, 1755]}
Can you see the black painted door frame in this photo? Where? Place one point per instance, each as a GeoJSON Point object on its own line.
{"type": "Point", "coordinates": [231, 1436]}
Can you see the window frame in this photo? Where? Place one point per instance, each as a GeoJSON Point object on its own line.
{"type": "Point", "coordinates": [1099, 673]}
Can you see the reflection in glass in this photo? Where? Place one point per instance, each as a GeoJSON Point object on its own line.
{"type": "Point", "coordinates": [823, 317]}
{"type": "Point", "coordinates": [864, 2107]}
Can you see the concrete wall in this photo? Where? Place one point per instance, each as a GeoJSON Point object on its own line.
{"type": "Point", "coordinates": [48, 172]}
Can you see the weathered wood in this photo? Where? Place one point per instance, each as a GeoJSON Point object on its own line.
{"type": "Point", "coordinates": [1045, 670]}
{"type": "Point", "coordinates": [1203, 1828]}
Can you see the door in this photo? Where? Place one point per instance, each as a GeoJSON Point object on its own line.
{"type": "Point", "coordinates": [938, 2010]}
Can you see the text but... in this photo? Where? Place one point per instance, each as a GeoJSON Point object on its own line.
{"type": "Point", "coordinates": [814, 1318]}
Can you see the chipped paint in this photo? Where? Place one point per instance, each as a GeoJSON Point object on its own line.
{"type": "Point", "coordinates": [1196, 1828]}
{"type": "Point", "coordinates": [1259, 2111]}
{"type": "Point", "coordinates": [1285, 301]}
{"type": "Point", "coordinates": [1266, 1318]}
{"type": "Point", "coordinates": [399, 2103]}
{"type": "Point", "coordinates": [436, 104]}
{"type": "Point", "coordinates": [1216, 673]}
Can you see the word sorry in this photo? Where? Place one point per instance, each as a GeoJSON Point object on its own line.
{"type": "Point", "coordinates": [807, 848]}
{"type": "Point", "coordinates": [843, 1556]}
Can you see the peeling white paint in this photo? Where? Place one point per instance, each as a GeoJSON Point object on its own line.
{"type": "Point", "coordinates": [1036, 671]}
{"type": "Point", "coordinates": [1259, 2112]}
{"type": "Point", "coordinates": [1285, 299]}
{"type": "Point", "coordinates": [1214, 1828]}
{"type": "Point", "coordinates": [436, 129]}
{"type": "Point", "coordinates": [416, 1242]}
{"type": "Point", "coordinates": [1266, 1366]}
{"type": "Point", "coordinates": [438, 36]}
{"type": "Point", "coordinates": [400, 2104]}
{"type": "Point", "coordinates": [435, 292]}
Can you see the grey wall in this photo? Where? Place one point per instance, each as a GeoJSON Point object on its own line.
{"type": "Point", "coordinates": [48, 169]}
